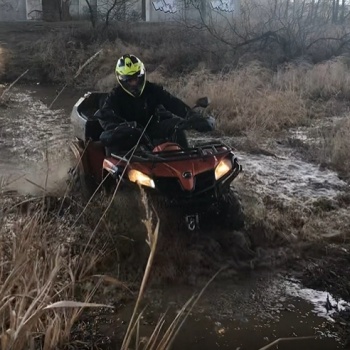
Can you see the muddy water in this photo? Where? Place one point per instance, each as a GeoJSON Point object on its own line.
{"type": "Point", "coordinates": [277, 170]}
{"type": "Point", "coordinates": [290, 178]}
{"type": "Point", "coordinates": [247, 312]}
{"type": "Point", "coordinates": [34, 139]}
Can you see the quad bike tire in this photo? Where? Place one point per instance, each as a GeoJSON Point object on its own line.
{"type": "Point", "coordinates": [80, 184]}
{"type": "Point", "coordinates": [231, 212]}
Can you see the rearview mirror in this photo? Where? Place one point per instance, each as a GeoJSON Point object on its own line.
{"type": "Point", "coordinates": [203, 102]}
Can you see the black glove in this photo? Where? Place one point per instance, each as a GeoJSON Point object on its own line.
{"type": "Point", "coordinates": [125, 125]}
{"type": "Point", "coordinates": [198, 122]}
{"type": "Point", "coordinates": [124, 134]}
{"type": "Point", "coordinates": [162, 114]}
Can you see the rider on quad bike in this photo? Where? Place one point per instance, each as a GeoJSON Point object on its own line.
{"type": "Point", "coordinates": [138, 102]}
{"type": "Point", "coordinates": [134, 136]}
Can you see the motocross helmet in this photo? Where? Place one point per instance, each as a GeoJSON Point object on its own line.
{"type": "Point", "coordinates": [131, 74]}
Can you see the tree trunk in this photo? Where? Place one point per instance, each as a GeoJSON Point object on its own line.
{"type": "Point", "coordinates": [56, 10]}
{"type": "Point", "coordinates": [275, 9]}
{"type": "Point", "coordinates": [286, 14]}
{"type": "Point", "coordinates": [342, 14]}
{"type": "Point", "coordinates": [143, 10]}
{"type": "Point", "coordinates": [316, 10]}
{"type": "Point", "coordinates": [65, 14]}
{"type": "Point", "coordinates": [92, 12]}
{"type": "Point", "coordinates": [50, 11]}
{"type": "Point", "coordinates": [335, 11]}
{"type": "Point", "coordinates": [311, 11]}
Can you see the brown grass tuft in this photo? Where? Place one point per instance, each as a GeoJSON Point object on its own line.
{"type": "Point", "coordinates": [4, 58]}
{"type": "Point", "coordinates": [334, 146]}
{"type": "Point", "coordinates": [246, 99]}
{"type": "Point", "coordinates": [38, 269]}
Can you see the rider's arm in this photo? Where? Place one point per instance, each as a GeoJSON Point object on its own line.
{"type": "Point", "coordinates": [108, 115]}
{"type": "Point", "coordinates": [170, 102]}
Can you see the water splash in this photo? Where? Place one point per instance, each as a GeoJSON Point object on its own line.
{"type": "Point", "coordinates": [34, 144]}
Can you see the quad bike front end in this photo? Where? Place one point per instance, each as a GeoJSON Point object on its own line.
{"type": "Point", "coordinates": [195, 181]}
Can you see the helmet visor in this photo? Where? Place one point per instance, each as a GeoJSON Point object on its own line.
{"type": "Point", "coordinates": [133, 84]}
{"type": "Point", "coordinates": [137, 75]}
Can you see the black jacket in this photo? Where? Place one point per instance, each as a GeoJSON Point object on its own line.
{"type": "Point", "coordinates": [120, 106]}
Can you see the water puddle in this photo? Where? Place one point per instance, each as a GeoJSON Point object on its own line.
{"type": "Point", "coordinates": [30, 128]}
{"type": "Point", "coordinates": [324, 304]}
{"type": "Point", "coordinates": [247, 314]}
{"type": "Point", "coordinates": [312, 135]}
{"type": "Point", "coordinates": [290, 178]}
{"type": "Point", "coordinates": [282, 174]}
{"type": "Point", "coordinates": [34, 141]}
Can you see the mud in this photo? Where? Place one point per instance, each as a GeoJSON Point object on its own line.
{"type": "Point", "coordinates": [296, 211]}
{"type": "Point", "coordinates": [247, 312]}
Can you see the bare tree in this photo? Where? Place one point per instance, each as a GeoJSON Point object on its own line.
{"type": "Point", "coordinates": [112, 10]}
{"type": "Point", "coordinates": [285, 29]}
{"type": "Point", "coordinates": [56, 10]}
{"type": "Point", "coordinates": [92, 10]}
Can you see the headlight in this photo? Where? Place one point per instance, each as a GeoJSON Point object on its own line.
{"type": "Point", "coordinates": [140, 178]}
{"type": "Point", "coordinates": [223, 168]}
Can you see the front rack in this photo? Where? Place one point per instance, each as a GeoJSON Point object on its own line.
{"type": "Point", "coordinates": [200, 151]}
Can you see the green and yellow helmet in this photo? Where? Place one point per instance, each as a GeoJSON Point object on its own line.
{"type": "Point", "coordinates": [131, 74]}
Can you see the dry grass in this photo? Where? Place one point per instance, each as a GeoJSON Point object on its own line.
{"type": "Point", "coordinates": [320, 82]}
{"type": "Point", "coordinates": [245, 100]}
{"type": "Point", "coordinates": [37, 270]}
{"type": "Point", "coordinates": [4, 57]}
{"type": "Point", "coordinates": [43, 274]}
{"type": "Point", "coordinates": [44, 282]}
{"type": "Point", "coordinates": [40, 277]}
{"type": "Point", "coordinates": [56, 57]}
{"type": "Point", "coordinates": [334, 146]}
{"type": "Point", "coordinates": [339, 147]}
{"type": "Point", "coordinates": [254, 99]}
{"type": "Point", "coordinates": [273, 221]}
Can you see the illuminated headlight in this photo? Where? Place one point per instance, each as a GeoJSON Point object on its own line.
{"type": "Point", "coordinates": [140, 178]}
{"type": "Point", "coordinates": [223, 168]}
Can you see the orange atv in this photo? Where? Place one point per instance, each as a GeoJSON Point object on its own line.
{"type": "Point", "coordinates": [195, 181]}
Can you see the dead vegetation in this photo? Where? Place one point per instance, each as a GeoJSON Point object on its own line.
{"type": "Point", "coordinates": [333, 146]}
{"type": "Point", "coordinates": [37, 271]}
{"type": "Point", "coordinates": [53, 267]}
{"type": "Point", "coordinates": [4, 57]}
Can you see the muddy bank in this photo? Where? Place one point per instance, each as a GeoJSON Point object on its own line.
{"type": "Point", "coordinates": [246, 312]}
{"type": "Point", "coordinates": [16, 46]}
{"type": "Point", "coordinates": [294, 209]}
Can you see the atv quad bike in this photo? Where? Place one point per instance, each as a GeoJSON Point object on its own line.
{"type": "Point", "coordinates": [196, 181]}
